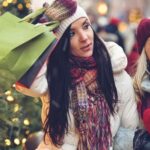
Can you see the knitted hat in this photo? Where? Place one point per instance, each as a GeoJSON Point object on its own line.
{"type": "Point", "coordinates": [143, 32]}
{"type": "Point", "coordinates": [65, 11]}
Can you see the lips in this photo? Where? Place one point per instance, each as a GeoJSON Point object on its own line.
{"type": "Point", "coordinates": [86, 47]}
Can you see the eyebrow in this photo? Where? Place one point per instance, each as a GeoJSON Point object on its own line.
{"type": "Point", "coordinates": [83, 23]}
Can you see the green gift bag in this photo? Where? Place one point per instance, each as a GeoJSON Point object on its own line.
{"type": "Point", "coordinates": [21, 44]}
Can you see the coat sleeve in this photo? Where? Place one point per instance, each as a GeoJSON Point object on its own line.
{"type": "Point", "coordinates": [127, 112]}
{"type": "Point", "coordinates": [127, 106]}
{"type": "Point", "coordinates": [39, 85]}
{"type": "Point", "coordinates": [117, 56]}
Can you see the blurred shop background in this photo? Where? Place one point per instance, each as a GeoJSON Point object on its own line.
{"type": "Point", "coordinates": [113, 20]}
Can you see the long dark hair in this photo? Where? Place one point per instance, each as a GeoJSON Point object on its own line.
{"type": "Point", "coordinates": [59, 81]}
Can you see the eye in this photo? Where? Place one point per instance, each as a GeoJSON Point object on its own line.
{"type": "Point", "coordinates": [71, 33]}
{"type": "Point", "coordinates": [86, 25]}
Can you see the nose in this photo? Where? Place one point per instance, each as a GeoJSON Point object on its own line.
{"type": "Point", "coordinates": [83, 36]}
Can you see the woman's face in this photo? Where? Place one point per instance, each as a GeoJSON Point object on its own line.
{"type": "Point", "coordinates": [81, 38]}
{"type": "Point", "coordinates": [147, 48]}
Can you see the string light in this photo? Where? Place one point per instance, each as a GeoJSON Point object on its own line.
{"type": "Point", "coordinates": [10, 98]}
{"type": "Point", "coordinates": [9, 1]}
{"type": "Point", "coordinates": [14, 85]}
{"type": "Point", "coordinates": [28, 5]}
{"type": "Point", "coordinates": [27, 132]}
{"type": "Point", "coordinates": [20, 6]}
{"type": "Point", "coordinates": [24, 140]}
{"type": "Point", "coordinates": [15, 119]}
{"type": "Point", "coordinates": [26, 122]}
{"type": "Point", "coordinates": [7, 142]}
{"type": "Point", "coordinates": [5, 3]}
{"type": "Point", "coordinates": [16, 108]}
{"type": "Point", "coordinates": [14, 1]}
{"type": "Point", "coordinates": [17, 141]}
{"type": "Point", "coordinates": [8, 93]}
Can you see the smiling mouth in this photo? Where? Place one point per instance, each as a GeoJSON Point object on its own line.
{"type": "Point", "coordinates": [87, 47]}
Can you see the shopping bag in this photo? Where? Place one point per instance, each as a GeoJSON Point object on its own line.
{"type": "Point", "coordinates": [27, 79]}
{"type": "Point", "coordinates": [22, 43]}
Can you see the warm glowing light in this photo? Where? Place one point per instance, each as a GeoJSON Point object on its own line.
{"type": "Point", "coordinates": [8, 93]}
{"type": "Point", "coordinates": [16, 141]}
{"type": "Point", "coordinates": [24, 140]}
{"type": "Point", "coordinates": [27, 132]}
{"type": "Point", "coordinates": [9, 1]}
{"type": "Point", "coordinates": [15, 119]}
{"type": "Point", "coordinates": [122, 27]}
{"type": "Point", "coordinates": [5, 3]}
{"type": "Point", "coordinates": [14, 85]}
{"type": "Point", "coordinates": [26, 122]}
{"type": "Point", "coordinates": [7, 142]}
{"type": "Point", "coordinates": [28, 5]}
{"type": "Point", "coordinates": [102, 8]}
{"type": "Point", "coordinates": [10, 98]}
{"type": "Point", "coordinates": [16, 108]}
{"type": "Point", "coordinates": [20, 6]}
{"type": "Point", "coordinates": [14, 1]}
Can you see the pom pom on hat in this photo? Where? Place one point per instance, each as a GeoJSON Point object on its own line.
{"type": "Point", "coordinates": [143, 32]}
{"type": "Point", "coordinates": [60, 9]}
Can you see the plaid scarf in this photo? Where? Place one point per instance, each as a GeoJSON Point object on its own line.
{"type": "Point", "coordinates": [89, 106]}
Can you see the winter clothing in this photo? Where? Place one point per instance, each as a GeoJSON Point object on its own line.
{"type": "Point", "coordinates": [90, 108]}
{"type": "Point", "coordinates": [145, 101]}
{"type": "Point", "coordinates": [126, 115]}
{"type": "Point", "coordinates": [79, 13]}
{"type": "Point", "coordinates": [143, 33]}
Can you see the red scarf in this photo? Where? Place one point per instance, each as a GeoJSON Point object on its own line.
{"type": "Point", "coordinates": [89, 106]}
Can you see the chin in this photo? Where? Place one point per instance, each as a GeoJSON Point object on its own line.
{"type": "Point", "coordinates": [88, 54]}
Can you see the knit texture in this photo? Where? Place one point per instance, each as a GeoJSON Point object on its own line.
{"type": "Point", "coordinates": [65, 11]}
{"type": "Point", "coordinates": [143, 32]}
{"type": "Point", "coordinates": [90, 109]}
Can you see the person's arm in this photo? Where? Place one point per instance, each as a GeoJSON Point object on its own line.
{"type": "Point", "coordinates": [117, 56]}
{"type": "Point", "coordinates": [70, 139]}
{"type": "Point", "coordinates": [38, 87]}
{"type": "Point", "coordinates": [127, 112]}
{"type": "Point", "coordinates": [128, 106]}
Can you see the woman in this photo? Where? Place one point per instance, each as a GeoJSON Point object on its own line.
{"type": "Point", "coordinates": [142, 83]}
{"type": "Point", "coordinates": [86, 94]}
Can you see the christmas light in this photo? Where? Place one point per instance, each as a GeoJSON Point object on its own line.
{"type": "Point", "coordinates": [8, 93]}
{"type": "Point", "coordinates": [26, 122]}
{"type": "Point", "coordinates": [102, 8]}
{"type": "Point", "coordinates": [28, 5]}
{"type": "Point", "coordinates": [16, 108]}
{"type": "Point", "coordinates": [10, 98]}
{"type": "Point", "coordinates": [20, 6]}
{"type": "Point", "coordinates": [27, 132]}
{"type": "Point", "coordinates": [9, 1]}
{"type": "Point", "coordinates": [14, 85]}
{"type": "Point", "coordinates": [17, 141]}
{"type": "Point", "coordinates": [15, 119]}
{"type": "Point", "coordinates": [7, 142]}
{"type": "Point", "coordinates": [24, 140]}
{"type": "Point", "coordinates": [5, 3]}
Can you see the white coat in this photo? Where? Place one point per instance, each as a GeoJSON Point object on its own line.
{"type": "Point", "coordinates": [126, 116]}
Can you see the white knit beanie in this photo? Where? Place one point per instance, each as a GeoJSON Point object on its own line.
{"type": "Point", "coordinates": [64, 24]}
{"type": "Point", "coordinates": [64, 11]}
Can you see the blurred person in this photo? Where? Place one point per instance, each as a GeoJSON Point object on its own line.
{"type": "Point", "coordinates": [142, 85]}
{"type": "Point", "coordinates": [112, 27]}
{"type": "Point", "coordinates": [132, 60]}
{"type": "Point", "coordinates": [86, 93]}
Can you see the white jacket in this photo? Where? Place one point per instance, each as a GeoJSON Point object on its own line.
{"type": "Point", "coordinates": [126, 116]}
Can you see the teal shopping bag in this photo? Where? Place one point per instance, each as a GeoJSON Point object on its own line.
{"type": "Point", "coordinates": [21, 44]}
